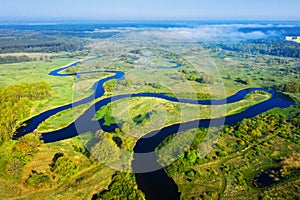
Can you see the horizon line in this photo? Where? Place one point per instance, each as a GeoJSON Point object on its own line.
{"type": "Point", "coordinates": [139, 20]}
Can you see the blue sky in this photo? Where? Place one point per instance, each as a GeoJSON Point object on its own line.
{"type": "Point", "coordinates": [150, 9]}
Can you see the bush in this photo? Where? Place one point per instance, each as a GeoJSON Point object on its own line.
{"type": "Point", "coordinates": [28, 144]}
{"type": "Point", "coordinates": [222, 154]}
{"type": "Point", "coordinates": [14, 166]}
{"type": "Point", "coordinates": [190, 174]}
{"type": "Point", "coordinates": [37, 179]}
{"type": "Point", "coordinates": [123, 186]}
{"type": "Point", "coordinates": [62, 167]}
{"type": "Point", "coordinates": [241, 142]}
{"type": "Point", "coordinates": [192, 156]}
{"type": "Point", "coordinates": [22, 153]}
{"type": "Point", "coordinates": [249, 81]}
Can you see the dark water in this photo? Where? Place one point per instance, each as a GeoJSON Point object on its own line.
{"type": "Point", "coordinates": [264, 179]}
{"type": "Point", "coordinates": [155, 185]}
{"type": "Point", "coordinates": [267, 177]}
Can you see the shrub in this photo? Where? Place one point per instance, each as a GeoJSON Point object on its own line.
{"type": "Point", "coordinates": [123, 186]}
{"type": "Point", "coordinates": [37, 179]}
{"type": "Point", "coordinates": [62, 167]}
{"type": "Point", "coordinates": [28, 144]}
{"type": "Point", "coordinates": [222, 154]}
{"type": "Point", "coordinates": [14, 166]}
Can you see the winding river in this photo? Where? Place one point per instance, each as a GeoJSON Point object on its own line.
{"type": "Point", "coordinates": [157, 184]}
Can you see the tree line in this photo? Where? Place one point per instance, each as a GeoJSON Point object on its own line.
{"type": "Point", "coordinates": [15, 104]}
{"type": "Point", "coordinates": [268, 47]}
{"type": "Point", "coordinates": [24, 58]}
{"type": "Point", "coordinates": [291, 87]}
{"type": "Point", "coordinates": [15, 59]}
{"type": "Point", "coordinates": [43, 44]}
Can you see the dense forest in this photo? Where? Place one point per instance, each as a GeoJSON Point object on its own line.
{"type": "Point", "coordinates": [267, 47]}
{"type": "Point", "coordinates": [38, 43]}
{"type": "Point", "coordinates": [48, 39]}
{"type": "Point", "coordinates": [15, 105]}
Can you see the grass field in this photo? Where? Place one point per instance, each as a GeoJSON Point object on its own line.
{"type": "Point", "coordinates": [144, 115]}
{"type": "Point", "coordinates": [62, 92]}
{"type": "Point", "coordinates": [30, 55]}
{"type": "Point", "coordinates": [263, 70]}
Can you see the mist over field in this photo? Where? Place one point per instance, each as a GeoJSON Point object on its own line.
{"type": "Point", "coordinates": [233, 32]}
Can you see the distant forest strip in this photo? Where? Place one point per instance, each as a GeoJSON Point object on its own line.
{"type": "Point", "coordinates": [31, 41]}
{"type": "Point", "coordinates": [47, 39]}
{"type": "Point", "coordinates": [268, 47]}
{"type": "Point", "coordinates": [40, 44]}
{"type": "Point", "coordinates": [15, 105]}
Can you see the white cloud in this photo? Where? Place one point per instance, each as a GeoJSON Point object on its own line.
{"type": "Point", "coordinates": [225, 32]}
